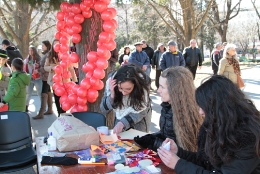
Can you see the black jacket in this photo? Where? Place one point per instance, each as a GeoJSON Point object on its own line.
{"type": "Point", "coordinates": [187, 54]}
{"type": "Point", "coordinates": [12, 53]}
{"type": "Point", "coordinates": [156, 59]}
{"type": "Point", "coordinates": [215, 57]}
{"type": "Point", "coordinates": [245, 161]}
{"type": "Point", "coordinates": [166, 126]}
{"type": "Point", "coordinates": [149, 51]}
{"type": "Point", "coordinates": [121, 58]}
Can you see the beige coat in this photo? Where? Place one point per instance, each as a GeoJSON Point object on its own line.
{"type": "Point", "coordinates": [227, 70]}
{"type": "Point", "coordinates": [49, 68]}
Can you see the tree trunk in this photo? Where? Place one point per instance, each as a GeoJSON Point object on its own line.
{"type": "Point", "coordinates": [91, 28]}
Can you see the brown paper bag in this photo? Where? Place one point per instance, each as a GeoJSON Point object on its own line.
{"type": "Point", "coordinates": [72, 134]}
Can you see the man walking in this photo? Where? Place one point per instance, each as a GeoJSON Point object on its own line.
{"type": "Point", "coordinates": [171, 58]}
{"type": "Point", "coordinates": [139, 57]}
{"type": "Point", "coordinates": [192, 56]}
{"type": "Point", "coordinates": [215, 57]}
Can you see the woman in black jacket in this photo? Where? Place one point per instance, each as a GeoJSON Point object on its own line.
{"type": "Point", "coordinates": [126, 52]}
{"type": "Point", "coordinates": [179, 118]}
{"type": "Point", "coordinates": [231, 136]}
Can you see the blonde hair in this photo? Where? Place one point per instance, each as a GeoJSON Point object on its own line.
{"type": "Point", "coordinates": [186, 118]}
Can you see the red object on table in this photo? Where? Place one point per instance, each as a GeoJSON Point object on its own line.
{"type": "Point", "coordinates": [4, 108]}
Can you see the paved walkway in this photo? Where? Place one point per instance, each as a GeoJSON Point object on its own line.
{"type": "Point", "coordinates": [249, 73]}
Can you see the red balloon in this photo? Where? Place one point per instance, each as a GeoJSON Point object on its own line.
{"type": "Point", "coordinates": [69, 8]}
{"type": "Point", "coordinates": [63, 56]}
{"type": "Point", "coordinates": [71, 14]}
{"type": "Point", "coordinates": [64, 47]}
{"type": "Point", "coordinates": [99, 43]}
{"type": "Point", "coordinates": [66, 106]}
{"type": "Point", "coordinates": [89, 3]}
{"type": "Point", "coordinates": [82, 101]}
{"type": "Point", "coordinates": [102, 51]}
{"type": "Point", "coordinates": [90, 66]}
{"type": "Point", "coordinates": [83, 7]}
{"type": "Point", "coordinates": [64, 40]}
{"type": "Point", "coordinates": [60, 25]}
{"type": "Point", "coordinates": [69, 31]}
{"type": "Point", "coordinates": [70, 21]}
{"type": "Point", "coordinates": [63, 98]}
{"type": "Point", "coordinates": [75, 88]}
{"type": "Point", "coordinates": [76, 8]}
{"type": "Point", "coordinates": [99, 73]}
{"type": "Point", "coordinates": [76, 38]}
{"type": "Point", "coordinates": [81, 92]}
{"type": "Point", "coordinates": [91, 100]}
{"type": "Point", "coordinates": [100, 6]}
{"type": "Point", "coordinates": [87, 14]}
{"type": "Point", "coordinates": [112, 35]}
{"type": "Point", "coordinates": [89, 75]}
{"type": "Point", "coordinates": [57, 35]}
{"type": "Point", "coordinates": [92, 56]}
{"type": "Point", "coordinates": [111, 45]}
{"type": "Point", "coordinates": [115, 22]}
{"type": "Point", "coordinates": [56, 47]}
{"type": "Point", "coordinates": [58, 70]}
{"type": "Point", "coordinates": [69, 85]}
{"type": "Point", "coordinates": [60, 91]}
{"type": "Point", "coordinates": [56, 78]}
{"type": "Point", "coordinates": [79, 18]}
{"type": "Point", "coordinates": [66, 75]}
{"type": "Point", "coordinates": [102, 63]}
{"type": "Point", "coordinates": [93, 81]}
{"type": "Point", "coordinates": [109, 26]}
{"type": "Point", "coordinates": [74, 108]}
{"type": "Point", "coordinates": [72, 98]}
{"type": "Point", "coordinates": [64, 64]}
{"type": "Point", "coordinates": [92, 93]}
{"type": "Point", "coordinates": [82, 108]}
{"type": "Point", "coordinates": [100, 85]}
{"type": "Point", "coordinates": [106, 15]}
{"type": "Point", "coordinates": [74, 58]}
{"type": "Point", "coordinates": [106, 1]}
{"type": "Point", "coordinates": [85, 68]}
{"type": "Point", "coordinates": [57, 85]}
{"type": "Point", "coordinates": [76, 28]}
{"type": "Point", "coordinates": [85, 83]}
{"type": "Point", "coordinates": [113, 10]}
{"type": "Point", "coordinates": [64, 6]}
{"type": "Point", "coordinates": [104, 37]}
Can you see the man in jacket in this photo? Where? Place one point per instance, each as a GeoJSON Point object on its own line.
{"type": "Point", "coordinates": [139, 57]}
{"type": "Point", "coordinates": [173, 57]}
{"type": "Point", "coordinates": [215, 57]}
{"type": "Point", "coordinates": [149, 51]}
{"type": "Point", "coordinates": [192, 56]}
{"type": "Point", "coordinates": [12, 52]}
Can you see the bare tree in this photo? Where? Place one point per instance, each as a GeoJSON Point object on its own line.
{"type": "Point", "coordinates": [221, 18]}
{"type": "Point", "coordinates": [21, 24]}
{"type": "Point", "coordinates": [258, 14]}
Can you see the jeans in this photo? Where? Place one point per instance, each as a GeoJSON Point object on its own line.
{"type": "Point", "coordinates": [148, 70]}
{"type": "Point", "coordinates": [29, 89]}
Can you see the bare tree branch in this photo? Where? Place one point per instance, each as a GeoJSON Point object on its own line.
{"type": "Point", "coordinates": [2, 33]}
{"type": "Point", "coordinates": [42, 32]}
{"type": "Point", "coordinates": [7, 5]}
{"type": "Point", "coordinates": [256, 10]}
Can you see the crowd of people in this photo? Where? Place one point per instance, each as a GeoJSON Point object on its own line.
{"type": "Point", "coordinates": [211, 129]}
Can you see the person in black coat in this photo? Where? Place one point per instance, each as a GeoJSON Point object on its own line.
{"type": "Point", "coordinates": [229, 139]}
{"type": "Point", "coordinates": [215, 57]}
{"type": "Point", "coordinates": [176, 86]}
{"type": "Point", "coordinates": [126, 52]}
{"type": "Point", "coordinates": [192, 57]}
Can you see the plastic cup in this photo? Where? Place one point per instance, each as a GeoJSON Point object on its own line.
{"type": "Point", "coordinates": [103, 130]}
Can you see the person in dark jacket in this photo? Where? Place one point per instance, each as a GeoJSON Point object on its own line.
{"type": "Point", "coordinates": [215, 57]}
{"type": "Point", "coordinates": [172, 58]}
{"type": "Point", "coordinates": [192, 57]}
{"type": "Point", "coordinates": [139, 57]}
{"type": "Point", "coordinates": [177, 91]}
{"type": "Point", "coordinates": [126, 52]}
{"type": "Point", "coordinates": [156, 62]}
{"type": "Point", "coordinates": [113, 59]}
{"type": "Point", "coordinates": [231, 136]}
{"type": "Point", "coordinates": [16, 92]}
{"type": "Point", "coordinates": [149, 51]}
{"type": "Point", "coordinates": [12, 52]}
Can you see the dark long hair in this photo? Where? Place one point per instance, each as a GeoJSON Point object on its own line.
{"type": "Point", "coordinates": [53, 54]}
{"type": "Point", "coordinates": [232, 122]}
{"type": "Point", "coordinates": [48, 46]}
{"type": "Point", "coordinates": [141, 82]}
{"type": "Point", "coordinates": [125, 50]}
{"type": "Point", "coordinates": [35, 54]}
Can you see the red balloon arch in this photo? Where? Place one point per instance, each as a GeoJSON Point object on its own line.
{"type": "Point", "coordinates": [70, 17]}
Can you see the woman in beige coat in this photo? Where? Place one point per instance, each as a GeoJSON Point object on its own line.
{"type": "Point", "coordinates": [229, 64]}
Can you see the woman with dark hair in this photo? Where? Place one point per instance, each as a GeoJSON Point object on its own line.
{"type": "Point", "coordinates": [46, 96]}
{"type": "Point", "coordinates": [127, 94]}
{"type": "Point", "coordinates": [231, 136]}
{"type": "Point", "coordinates": [156, 62]}
{"type": "Point", "coordinates": [179, 118]}
{"type": "Point", "coordinates": [126, 53]}
{"type": "Point", "coordinates": [31, 66]}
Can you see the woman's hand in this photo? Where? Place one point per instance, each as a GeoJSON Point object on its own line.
{"type": "Point", "coordinates": [173, 145]}
{"type": "Point", "coordinates": [118, 128]}
{"type": "Point", "coordinates": [169, 159]}
{"type": "Point", "coordinates": [112, 85]}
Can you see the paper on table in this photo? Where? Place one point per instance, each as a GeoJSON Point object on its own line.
{"type": "Point", "coordinates": [108, 139]}
{"type": "Point", "coordinates": [131, 133]}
